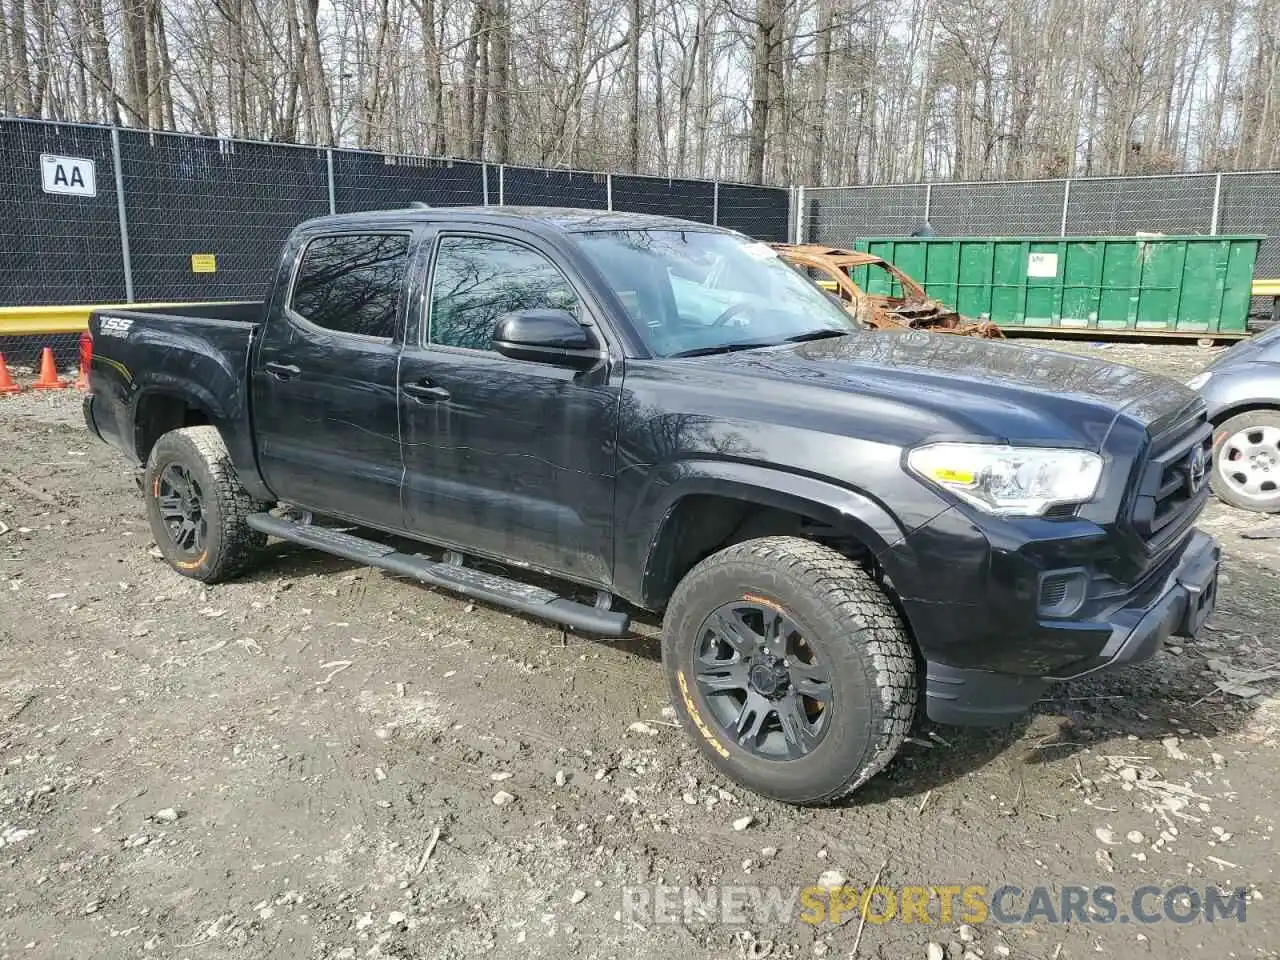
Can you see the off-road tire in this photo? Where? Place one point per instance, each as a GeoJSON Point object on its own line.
{"type": "Point", "coordinates": [231, 545]}
{"type": "Point", "coordinates": [849, 620]}
{"type": "Point", "coordinates": [1218, 483]}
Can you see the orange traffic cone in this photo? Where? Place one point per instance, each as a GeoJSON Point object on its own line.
{"type": "Point", "coordinates": [48, 379]}
{"type": "Point", "coordinates": [6, 382]}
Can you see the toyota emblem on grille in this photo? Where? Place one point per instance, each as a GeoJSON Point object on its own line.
{"type": "Point", "coordinates": [1196, 468]}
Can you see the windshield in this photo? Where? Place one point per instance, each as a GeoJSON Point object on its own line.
{"type": "Point", "coordinates": [692, 292]}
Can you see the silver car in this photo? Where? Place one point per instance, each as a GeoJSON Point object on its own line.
{"type": "Point", "coordinates": [1242, 390]}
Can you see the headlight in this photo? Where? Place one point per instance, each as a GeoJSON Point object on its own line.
{"type": "Point", "coordinates": [1009, 481]}
{"type": "Point", "coordinates": [1199, 380]}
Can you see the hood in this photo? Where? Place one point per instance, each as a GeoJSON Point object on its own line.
{"type": "Point", "coordinates": [1264, 348]}
{"type": "Point", "coordinates": [969, 388]}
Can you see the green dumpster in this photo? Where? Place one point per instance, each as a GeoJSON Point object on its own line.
{"type": "Point", "coordinates": [1158, 284]}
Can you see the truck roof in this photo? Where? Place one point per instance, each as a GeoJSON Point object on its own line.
{"type": "Point", "coordinates": [554, 219]}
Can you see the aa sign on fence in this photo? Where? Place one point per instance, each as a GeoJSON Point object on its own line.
{"type": "Point", "coordinates": [69, 175]}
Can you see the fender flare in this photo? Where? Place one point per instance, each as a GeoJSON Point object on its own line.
{"type": "Point", "coordinates": [180, 390]}
{"type": "Point", "coordinates": [230, 423]}
{"type": "Point", "coordinates": [845, 509]}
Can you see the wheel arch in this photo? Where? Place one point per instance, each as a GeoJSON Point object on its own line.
{"type": "Point", "coordinates": [164, 404]}
{"type": "Point", "coordinates": [159, 408]}
{"type": "Point", "coordinates": [1244, 406]}
{"type": "Point", "coordinates": [714, 504]}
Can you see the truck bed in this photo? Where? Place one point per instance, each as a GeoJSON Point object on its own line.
{"type": "Point", "coordinates": [200, 355]}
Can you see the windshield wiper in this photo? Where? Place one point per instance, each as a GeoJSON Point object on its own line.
{"type": "Point", "coordinates": [723, 348]}
{"type": "Point", "coordinates": [824, 334]}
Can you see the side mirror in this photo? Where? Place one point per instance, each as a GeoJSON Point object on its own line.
{"type": "Point", "coordinates": [546, 336]}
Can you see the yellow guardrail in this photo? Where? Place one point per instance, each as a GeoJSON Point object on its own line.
{"type": "Point", "coordinates": [69, 318]}
{"type": "Point", "coordinates": [26, 321]}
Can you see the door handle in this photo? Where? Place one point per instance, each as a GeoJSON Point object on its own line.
{"type": "Point", "coordinates": [282, 371]}
{"type": "Point", "coordinates": [424, 391]}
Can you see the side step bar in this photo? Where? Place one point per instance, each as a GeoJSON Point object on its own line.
{"type": "Point", "coordinates": [488, 587]}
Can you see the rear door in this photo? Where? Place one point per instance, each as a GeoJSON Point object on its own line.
{"type": "Point", "coordinates": [324, 383]}
{"type": "Point", "coordinates": [509, 458]}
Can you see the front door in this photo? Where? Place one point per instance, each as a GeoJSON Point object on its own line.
{"type": "Point", "coordinates": [508, 458]}
{"type": "Point", "coordinates": [324, 383]}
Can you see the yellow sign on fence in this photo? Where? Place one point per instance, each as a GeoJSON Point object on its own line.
{"type": "Point", "coordinates": [204, 263]}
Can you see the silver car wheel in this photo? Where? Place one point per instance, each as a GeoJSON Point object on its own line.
{"type": "Point", "coordinates": [1248, 461]}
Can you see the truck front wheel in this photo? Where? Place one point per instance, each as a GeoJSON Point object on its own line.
{"type": "Point", "coordinates": [790, 668]}
{"type": "Point", "coordinates": [197, 506]}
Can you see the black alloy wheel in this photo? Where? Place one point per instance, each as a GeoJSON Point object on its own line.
{"type": "Point", "coordinates": [182, 509]}
{"type": "Point", "coordinates": [197, 508]}
{"type": "Point", "coordinates": [764, 684]}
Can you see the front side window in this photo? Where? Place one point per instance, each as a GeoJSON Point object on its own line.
{"type": "Point", "coordinates": [478, 279]}
{"type": "Point", "coordinates": [352, 284]}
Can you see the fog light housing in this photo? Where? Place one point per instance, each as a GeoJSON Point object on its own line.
{"type": "Point", "coordinates": [1061, 592]}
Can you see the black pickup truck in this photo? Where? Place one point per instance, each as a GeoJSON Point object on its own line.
{"type": "Point", "coordinates": [841, 527]}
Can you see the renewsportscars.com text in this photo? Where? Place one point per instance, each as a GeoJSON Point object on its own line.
{"type": "Point", "coordinates": [972, 903]}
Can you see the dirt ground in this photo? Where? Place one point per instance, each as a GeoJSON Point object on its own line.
{"type": "Point", "coordinates": [304, 763]}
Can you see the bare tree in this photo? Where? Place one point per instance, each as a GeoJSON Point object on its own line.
{"type": "Point", "coordinates": [760, 90]}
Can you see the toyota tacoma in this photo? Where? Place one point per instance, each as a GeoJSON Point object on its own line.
{"type": "Point", "coordinates": [842, 529]}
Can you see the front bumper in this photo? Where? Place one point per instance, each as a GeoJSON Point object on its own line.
{"type": "Point", "coordinates": [1179, 607]}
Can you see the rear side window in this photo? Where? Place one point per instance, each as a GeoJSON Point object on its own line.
{"type": "Point", "coordinates": [352, 284]}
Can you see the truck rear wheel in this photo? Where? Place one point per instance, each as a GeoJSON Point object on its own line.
{"type": "Point", "coordinates": [197, 507]}
{"type": "Point", "coordinates": [790, 668]}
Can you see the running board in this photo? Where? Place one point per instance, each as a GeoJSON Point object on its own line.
{"type": "Point", "coordinates": [467, 581]}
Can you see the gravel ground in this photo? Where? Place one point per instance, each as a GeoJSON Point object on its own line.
{"type": "Point", "coordinates": [323, 761]}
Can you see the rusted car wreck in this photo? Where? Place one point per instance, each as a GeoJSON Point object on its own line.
{"type": "Point", "coordinates": [829, 267]}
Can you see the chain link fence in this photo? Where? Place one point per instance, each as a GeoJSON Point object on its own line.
{"type": "Point", "coordinates": [765, 214]}
{"type": "Point", "coordinates": [56, 248]}
{"type": "Point", "coordinates": [375, 181]}
{"type": "Point", "coordinates": [1177, 205]}
{"type": "Point", "coordinates": [181, 217]}
{"type": "Point", "coordinates": [1250, 203]}
{"type": "Point", "coordinates": [533, 187]}
{"type": "Point", "coordinates": [1236, 203]}
{"type": "Point", "coordinates": [202, 218]}
{"type": "Point", "coordinates": [233, 202]}
{"type": "Point", "coordinates": [687, 199]}
{"type": "Point", "coordinates": [1032, 207]}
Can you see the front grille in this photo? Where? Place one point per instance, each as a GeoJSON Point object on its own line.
{"type": "Point", "coordinates": [1104, 588]}
{"type": "Point", "coordinates": [1174, 482]}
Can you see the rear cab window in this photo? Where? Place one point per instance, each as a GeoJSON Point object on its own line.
{"type": "Point", "coordinates": [352, 283]}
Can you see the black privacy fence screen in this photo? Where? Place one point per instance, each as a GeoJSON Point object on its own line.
{"type": "Point", "coordinates": [92, 214]}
